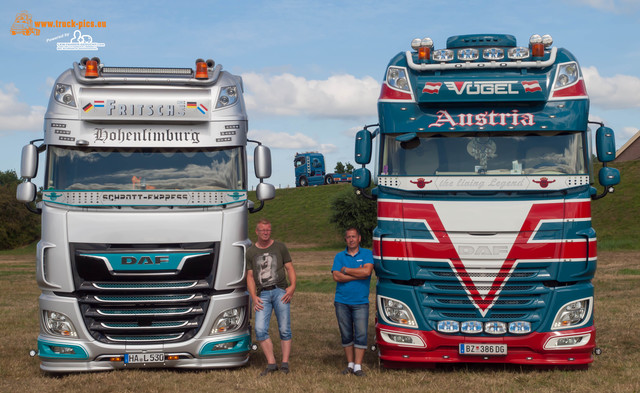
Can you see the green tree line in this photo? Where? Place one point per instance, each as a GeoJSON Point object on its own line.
{"type": "Point", "coordinates": [18, 226]}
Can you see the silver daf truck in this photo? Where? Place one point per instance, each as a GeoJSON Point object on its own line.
{"type": "Point", "coordinates": [144, 218]}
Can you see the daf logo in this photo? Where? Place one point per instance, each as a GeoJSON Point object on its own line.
{"type": "Point", "coordinates": [145, 260]}
{"type": "Point", "coordinates": [482, 250]}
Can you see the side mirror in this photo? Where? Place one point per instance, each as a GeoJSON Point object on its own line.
{"type": "Point", "coordinates": [605, 144]}
{"type": "Point", "coordinates": [265, 192]}
{"type": "Point", "coordinates": [609, 176]}
{"type": "Point", "coordinates": [262, 162]}
{"type": "Point", "coordinates": [363, 147]}
{"type": "Point", "coordinates": [26, 192]}
{"type": "Point", "coordinates": [361, 178]}
{"type": "Point", "coordinates": [29, 162]}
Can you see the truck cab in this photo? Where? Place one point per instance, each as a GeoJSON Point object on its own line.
{"type": "Point", "coordinates": [484, 248]}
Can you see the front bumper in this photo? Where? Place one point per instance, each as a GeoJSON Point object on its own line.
{"type": "Point", "coordinates": [530, 349]}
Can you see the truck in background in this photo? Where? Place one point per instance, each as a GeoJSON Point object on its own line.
{"type": "Point", "coordinates": [309, 169]}
{"type": "Point", "coordinates": [484, 248]}
{"type": "Point", "coordinates": [144, 218]}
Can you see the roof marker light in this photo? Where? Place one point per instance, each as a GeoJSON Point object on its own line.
{"type": "Point", "coordinates": [201, 69]}
{"type": "Point", "coordinates": [547, 41]}
{"type": "Point", "coordinates": [91, 69]}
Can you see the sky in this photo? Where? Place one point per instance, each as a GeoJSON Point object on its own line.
{"type": "Point", "coordinates": [312, 70]}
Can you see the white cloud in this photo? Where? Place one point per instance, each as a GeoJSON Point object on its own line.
{"type": "Point", "coordinates": [625, 133]}
{"type": "Point", "coordinates": [339, 96]}
{"type": "Point", "coordinates": [616, 92]}
{"type": "Point", "coordinates": [616, 6]}
{"type": "Point", "coordinates": [282, 140]}
{"type": "Point", "coordinates": [16, 115]}
{"type": "Point", "coordinates": [328, 148]}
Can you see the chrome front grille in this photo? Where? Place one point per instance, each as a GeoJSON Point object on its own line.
{"type": "Point", "coordinates": [143, 306]}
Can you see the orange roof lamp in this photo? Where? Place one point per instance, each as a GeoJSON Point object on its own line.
{"type": "Point", "coordinates": [202, 68]}
{"type": "Point", "coordinates": [91, 67]}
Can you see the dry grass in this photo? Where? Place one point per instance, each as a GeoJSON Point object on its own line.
{"type": "Point", "coordinates": [317, 356]}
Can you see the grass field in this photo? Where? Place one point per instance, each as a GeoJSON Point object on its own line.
{"type": "Point", "coordinates": [317, 356]}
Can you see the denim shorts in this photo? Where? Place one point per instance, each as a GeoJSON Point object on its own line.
{"type": "Point", "coordinates": [353, 320]}
{"type": "Point", "coordinates": [272, 301]}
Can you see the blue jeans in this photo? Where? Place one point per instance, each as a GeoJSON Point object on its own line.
{"type": "Point", "coordinates": [272, 300]}
{"type": "Point", "coordinates": [353, 320]}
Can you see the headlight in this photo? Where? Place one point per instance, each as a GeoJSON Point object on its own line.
{"type": "Point", "coordinates": [397, 78]}
{"type": "Point", "coordinates": [568, 74]}
{"type": "Point", "coordinates": [395, 312]}
{"type": "Point", "coordinates": [58, 324]}
{"type": "Point", "coordinates": [229, 320]}
{"type": "Point", "coordinates": [573, 314]}
{"type": "Point", "coordinates": [227, 97]}
{"type": "Point", "coordinates": [64, 95]}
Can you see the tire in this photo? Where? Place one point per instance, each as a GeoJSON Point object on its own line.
{"type": "Point", "coordinates": [304, 182]}
{"type": "Point", "coordinates": [328, 179]}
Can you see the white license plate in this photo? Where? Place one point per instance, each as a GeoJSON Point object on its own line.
{"type": "Point", "coordinates": [132, 358]}
{"type": "Point", "coordinates": [483, 349]}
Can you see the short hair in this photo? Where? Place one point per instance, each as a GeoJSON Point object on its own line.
{"type": "Point", "coordinates": [263, 221]}
{"type": "Point", "coordinates": [352, 229]}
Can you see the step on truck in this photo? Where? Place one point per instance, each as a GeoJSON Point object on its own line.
{"type": "Point", "coordinates": [309, 169]}
{"type": "Point", "coordinates": [484, 248]}
{"type": "Point", "coordinates": [144, 218]}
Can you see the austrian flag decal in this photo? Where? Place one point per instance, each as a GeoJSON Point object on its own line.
{"type": "Point", "coordinates": [531, 86]}
{"type": "Point", "coordinates": [432, 87]}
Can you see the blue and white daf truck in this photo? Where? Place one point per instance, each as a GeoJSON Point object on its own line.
{"type": "Point", "coordinates": [144, 218]}
{"type": "Point", "coordinates": [484, 248]}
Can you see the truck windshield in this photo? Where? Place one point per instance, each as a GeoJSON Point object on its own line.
{"type": "Point", "coordinates": [481, 153]}
{"type": "Point", "coordinates": [71, 168]}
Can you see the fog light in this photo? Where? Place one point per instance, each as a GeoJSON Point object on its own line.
{"type": "Point", "coordinates": [62, 350]}
{"type": "Point", "coordinates": [495, 327]}
{"type": "Point", "coordinates": [471, 327]}
{"type": "Point", "coordinates": [567, 342]}
{"type": "Point", "coordinates": [224, 346]}
{"type": "Point", "coordinates": [519, 327]}
{"type": "Point", "coordinates": [408, 340]}
{"type": "Point", "coordinates": [449, 326]}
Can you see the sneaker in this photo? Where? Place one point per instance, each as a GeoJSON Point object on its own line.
{"type": "Point", "coordinates": [285, 368]}
{"type": "Point", "coordinates": [270, 369]}
{"type": "Point", "coordinates": [347, 371]}
{"type": "Point", "coordinates": [359, 373]}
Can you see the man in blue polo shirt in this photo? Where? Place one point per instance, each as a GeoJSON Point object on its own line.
{"type": "Point", "coordinates": [352, 272]}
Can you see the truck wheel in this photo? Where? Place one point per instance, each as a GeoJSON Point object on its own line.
{"type": "Point", "coordinates": [304, 182]}
{"type": "Point", "coordinates": [328, 179]}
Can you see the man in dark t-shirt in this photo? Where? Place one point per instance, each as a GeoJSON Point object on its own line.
{"type": "Point", "coordinates": [268, 265]}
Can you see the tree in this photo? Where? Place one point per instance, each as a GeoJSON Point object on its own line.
{"type": "Point", "coordinates": [350, 210]}
{"type": "Point", "coordinates": [18, 226]}
{"type": "Point", "coordinates": [340, 167]}
{"type": "Point", "coordinates": [349, 168]}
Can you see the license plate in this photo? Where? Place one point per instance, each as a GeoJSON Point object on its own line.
{"type": "Point", "coordinates": [483, 349]}
{"type": "Point", "coordinates": [132, 358]}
